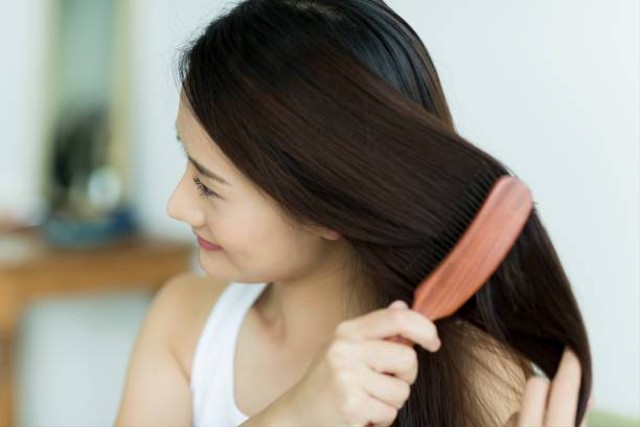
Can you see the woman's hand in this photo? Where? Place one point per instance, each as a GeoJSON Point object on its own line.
{"type": "Point", "coordinates": [347, 383]}
{"type": "Point", "coordinates": [558, 408]}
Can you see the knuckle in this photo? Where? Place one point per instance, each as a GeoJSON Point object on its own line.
{"type": "Point", "coordinates": [343, 378]}
{"type": "Point", "coordinates": [411, 357]}
{"type": "Point", "coordinates": [398, 319]}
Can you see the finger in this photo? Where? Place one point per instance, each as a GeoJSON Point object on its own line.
{"type": "Point", "coordinates": [380, 413]}
{"type": "Point", "coordinates": [563, 397]}
{"type": "Point", "coordinates": [398, 304]}
{"type": "Point", "coordinates": [383, 323]}
{"type": "Point", "coordinates": [587, 411]}
{"type": "Point", "coordinates": [391, 358]}
{"type": "Point", "coordinates": [386, 388]}
{"type": "Point", "coordinates": [533, 402]}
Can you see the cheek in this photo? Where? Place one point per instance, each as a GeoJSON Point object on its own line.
{"type": "Point", "coordinates": [246, 233]}
{"type": "Point", "coordinates": [266, 246]}
{"type": "Point", "coordinates": [285, 255]}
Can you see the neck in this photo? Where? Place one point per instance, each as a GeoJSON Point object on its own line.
{"type": "Point", "coordinates": [302, 315]}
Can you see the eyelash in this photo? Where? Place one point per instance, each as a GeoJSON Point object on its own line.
{"type": "Point", "coordinates": [205, 192]}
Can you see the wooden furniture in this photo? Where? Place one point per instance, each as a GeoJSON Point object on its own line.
{"type": "Point", "coordinates": [31, 269]}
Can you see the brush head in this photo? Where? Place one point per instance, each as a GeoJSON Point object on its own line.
{"type": "Point", "coordinates": [479, 251]}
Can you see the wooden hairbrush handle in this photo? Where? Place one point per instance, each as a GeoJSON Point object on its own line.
{"type": "Point", "coordinates": [478, 253]}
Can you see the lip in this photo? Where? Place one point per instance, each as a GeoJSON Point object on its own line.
{"type": "Point", "coordinates": [204, 244]}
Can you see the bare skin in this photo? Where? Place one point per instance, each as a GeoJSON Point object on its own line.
{"type": "Point", "coordinates": [306, 265]}
{"type": "Point", "coordinates": [552, 403]}
{"type": "Point", "coordinates": [257, 379]}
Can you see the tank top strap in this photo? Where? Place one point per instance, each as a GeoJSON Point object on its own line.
{"type": "Point", "coordinates": [212, 370]}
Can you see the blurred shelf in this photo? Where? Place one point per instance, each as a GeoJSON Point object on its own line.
{"type": "Point", "coordinates": [30, 269]}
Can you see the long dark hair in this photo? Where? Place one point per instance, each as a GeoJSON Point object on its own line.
{"type": "Point", "coordinates": [334, 109]}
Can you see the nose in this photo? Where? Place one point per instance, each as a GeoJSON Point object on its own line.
{"type": "Point", "coordinates": [183, 206]}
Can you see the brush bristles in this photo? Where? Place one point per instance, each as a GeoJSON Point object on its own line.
{"type": "Point", "coordinates": [478, 252]}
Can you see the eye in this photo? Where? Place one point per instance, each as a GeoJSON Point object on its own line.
{"type": "Point", "coordinates": [205, 192]}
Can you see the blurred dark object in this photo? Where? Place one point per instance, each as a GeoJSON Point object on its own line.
{"type": "Point", "coordinates": [100, 231]}
{"type": "Point", "coordinates": [85, 191]}
{"type": "Point", "coordinates": [79, 155]}
{"type": "Point", "coordinates": [87, 162]}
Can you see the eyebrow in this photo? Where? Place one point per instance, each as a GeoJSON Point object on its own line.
{"type": "Point", "coordinates": [203, 170]}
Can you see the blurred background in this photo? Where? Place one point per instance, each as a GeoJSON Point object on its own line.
{"type": "Point", "coordinates": [88, 160]}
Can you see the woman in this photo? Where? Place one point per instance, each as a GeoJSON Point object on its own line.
{"type": "Point", "coordinates": [331, 179]}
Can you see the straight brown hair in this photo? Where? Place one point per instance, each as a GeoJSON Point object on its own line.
{"type": "Point", "coordinates": [334, 109]}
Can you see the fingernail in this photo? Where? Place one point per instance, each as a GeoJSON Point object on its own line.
{"type": "Point", "coordinates": [398, 304]}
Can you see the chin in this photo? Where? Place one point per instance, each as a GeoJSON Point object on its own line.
{"type": "Point", "coordinates": [214, 269]}
{"type": "Point", "coordinates": [220, 269]}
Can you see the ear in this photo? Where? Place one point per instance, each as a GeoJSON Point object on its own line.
{"type": "Point", "coordinates": [330, 234]}
{"type": "Point", "coordinates": [325, 233]}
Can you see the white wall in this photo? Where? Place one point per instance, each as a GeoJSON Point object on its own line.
{"type": "Point", "coordinates": [551, 88]}
{"type": "Point", "coordinates": [73, 355]}
{"type": "Point", "coordinates": [161, 28]}
{"type": "Point", "coordinates": [22, 59]}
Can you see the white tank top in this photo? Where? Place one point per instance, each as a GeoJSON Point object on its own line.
{"type": "Point", "coordinates": [212, 385]}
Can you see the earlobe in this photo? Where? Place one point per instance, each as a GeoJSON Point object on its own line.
{"type": "Point", "coordinates": [331, 234]}
{"type": "Point", "coordinates": [323, 232]}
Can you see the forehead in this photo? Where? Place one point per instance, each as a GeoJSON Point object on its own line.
{"type": "Point", "coordinates": [186, 121]}
{"type": "Point", "coordinates": [199, 146]}
{"type": "Point", "coordinates": [195, 138]}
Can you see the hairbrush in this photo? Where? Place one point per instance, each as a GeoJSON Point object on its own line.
{"type": "Point", "coordinates": [477, 254]}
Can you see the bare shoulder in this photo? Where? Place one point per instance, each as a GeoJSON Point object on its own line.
{"type": "Point", "coordinates": [192, 298]}
{"type": "Point", "coordinates": [156, 390]}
